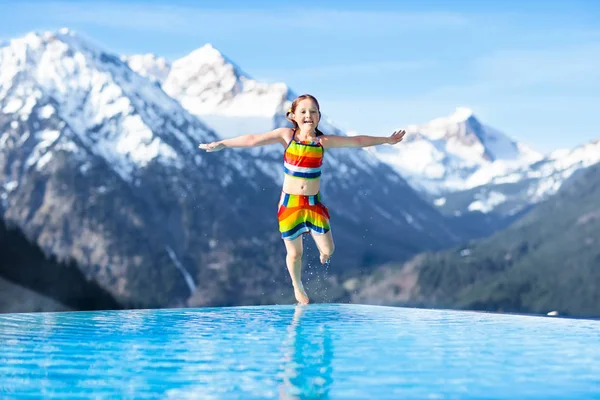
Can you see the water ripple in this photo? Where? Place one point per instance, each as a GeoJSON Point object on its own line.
{"type": "Point", "coordinates": [325, 351]}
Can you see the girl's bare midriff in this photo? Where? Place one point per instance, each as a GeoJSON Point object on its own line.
{"type": "Point", "coordinates": [306, 187]}
{"type": "Point", "coordinates": [294, 185]}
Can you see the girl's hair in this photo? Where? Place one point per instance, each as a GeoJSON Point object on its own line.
{"type": "Point", "coordinates": [293, 110]}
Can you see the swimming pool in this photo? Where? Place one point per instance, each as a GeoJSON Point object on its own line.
{"type": "Point", "coordinates": [324, 351]}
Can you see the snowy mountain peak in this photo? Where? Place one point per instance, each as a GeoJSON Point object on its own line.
{"type": "Point", "coordinates": [101, 102]}
{"type": "Point", "coordinates": [32, 40]}
{"type": "Point", "coordinates": [207, 54]}
{"type": "Point", "coordinates": [460, 123]}
{"type": "Point", "coordinates": [461, 114]}
{"type": "Point", "coordinates": [37, 39]}
{"type": "Point", "coordinates": [455, 152]}
{"type": "Point", "coordinates": [208, 58]}
{"type": "Point", "coordinates": [463, 135]}
{"type": "Point", "coordinates": [209, 84]}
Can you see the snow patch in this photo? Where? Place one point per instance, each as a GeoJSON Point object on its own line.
{"type": "Point", "coordinates": [13, 105]}
{"type": "Point", "coordinates": [43, 160]}
{"type": "Point", "coordinates": [28, 107]}
{"type": "Point", "coordinates": [488, 203]}
{"type": "Point", "coordinates": [186, 275]}
{"type": "Point", "coordinates": [138, 141]}
{"type": "Point", "coordinates": [40, 156]}
{"type": "Point", "coordinates": [48, 136]}
{"type": "Point", "coordinates": [439, 201]}
{"type": "Point", "coordinates": [46, 112]}
{"type": "Point", "coordinates": [10, 186]}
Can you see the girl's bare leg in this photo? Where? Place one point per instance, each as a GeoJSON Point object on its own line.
{"type": "Point", "coordinates": [325, 245]}
{"type": "Point", "coordinates": [293, 261]}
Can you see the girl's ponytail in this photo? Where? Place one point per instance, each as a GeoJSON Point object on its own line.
{"type": "Point", "coordinates": [287, 116]}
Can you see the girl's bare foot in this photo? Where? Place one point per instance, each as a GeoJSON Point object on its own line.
{"type": "Point", "coordinates": [300, 294]}
{"type": "Point", "coordinates": [324, 258]}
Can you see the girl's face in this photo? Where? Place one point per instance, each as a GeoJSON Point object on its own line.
{"type": "Point", "coordinates": [307, 115]}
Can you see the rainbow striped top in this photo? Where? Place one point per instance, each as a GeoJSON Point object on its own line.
{"type": "Point", "coordinates": [303, 159]}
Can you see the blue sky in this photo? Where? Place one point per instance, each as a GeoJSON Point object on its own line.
{"type": "Point", "coordinates": [531, 70]}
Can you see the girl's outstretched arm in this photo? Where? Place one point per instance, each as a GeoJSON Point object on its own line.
{"type": "Point", "coordinates": [251, 140]}
{"type": "Point", "coordinates": [361, 140]}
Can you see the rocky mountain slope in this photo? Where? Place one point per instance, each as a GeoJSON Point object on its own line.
{"type": "Point", "coordinates": [547, 261]}
{"type": "Point", "coordinates": [100, 166]}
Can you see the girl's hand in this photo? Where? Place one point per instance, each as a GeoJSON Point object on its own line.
{"type": "Point", "coordinates": [396, 137]}
{"type": "Point", "coordinates": [210, 147]}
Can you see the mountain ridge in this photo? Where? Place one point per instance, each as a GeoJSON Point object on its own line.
{"type": "Point", "coordinates": [547, 261]}
{"type": "Point", "coordinates": [100, 165]}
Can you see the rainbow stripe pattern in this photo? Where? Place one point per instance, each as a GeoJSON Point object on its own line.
{"type": "Point", "coordinates": [298, 214]}
{"type": "Point", "coordinates": [303, 159]}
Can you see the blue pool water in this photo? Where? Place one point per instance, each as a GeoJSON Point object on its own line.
{"type": "Point", "coordinates": [320, 351]}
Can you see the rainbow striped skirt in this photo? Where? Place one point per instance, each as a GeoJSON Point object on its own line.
{"type": "Point", "coordinates": [298, 214]}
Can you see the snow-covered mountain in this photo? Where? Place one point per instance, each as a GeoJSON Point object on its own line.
{"type": "Point", "coordinates": [206, 82]}
{"type": "Point", "coordinates": [210, 85]}
{"type": "Point", "coordinates": [511, 193]}
{"type": "Point", "coordinates": [454, 153]}
{"type": "Point", "coordinates": [99, 165]}
{"type": "Point", "coordinates": [460, 164]}
{"type": "Point", "coordinates": [465, 166]}
{"type": "Point", "coordinates": [87, 88]}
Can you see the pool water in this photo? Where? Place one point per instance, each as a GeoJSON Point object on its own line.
{"type": "Point", "coordinates": [319, 351]}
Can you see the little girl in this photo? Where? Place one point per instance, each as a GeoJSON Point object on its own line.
{"type": "Point", "coordinates": [300, 207]}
